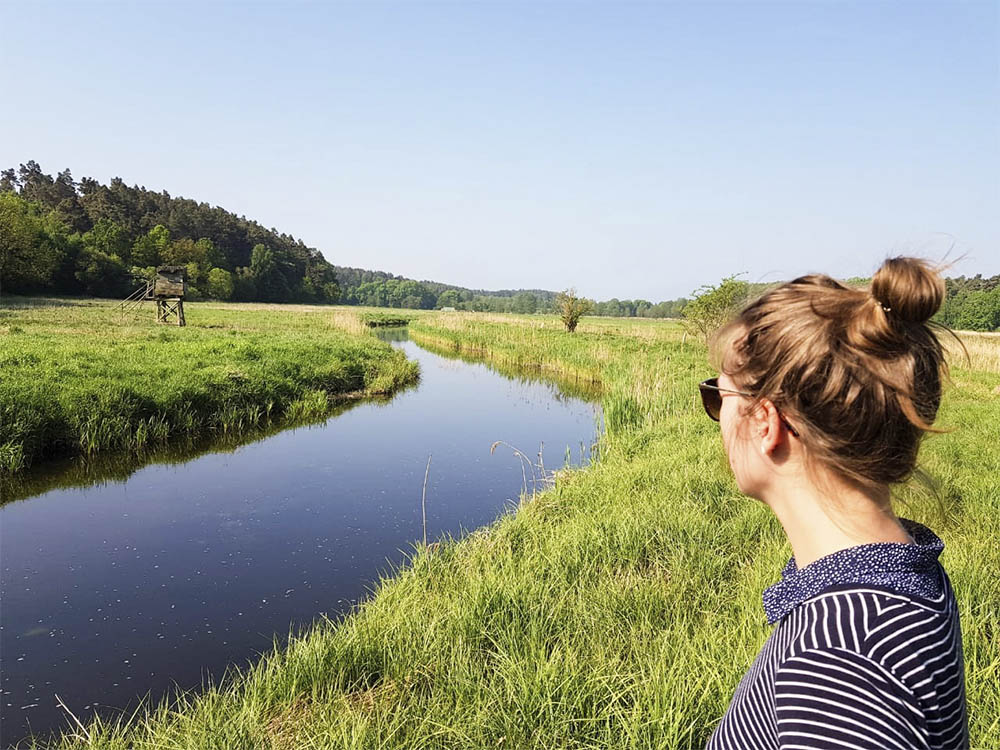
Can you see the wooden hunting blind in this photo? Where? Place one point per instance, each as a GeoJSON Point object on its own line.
{"type": "Point", "coordinates": [168, 289]}
{"type": "Point", "coordinates": [170, 282]}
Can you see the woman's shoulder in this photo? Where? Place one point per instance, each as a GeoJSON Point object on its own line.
{"type": "Point", "coordinates": [871, 620]}
{"type": "Point", "coordinates": [909, 638]}
{"type": "Point", "coordinates": [883, 645]}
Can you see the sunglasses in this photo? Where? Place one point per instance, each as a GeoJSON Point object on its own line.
{"type": "Point", "coordinates": [711, 399]}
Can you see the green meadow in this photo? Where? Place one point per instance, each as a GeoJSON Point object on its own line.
{"type": "Point", "coordinates": [616, 609]}
{"type": "Point", "coordinates": [78, 378]}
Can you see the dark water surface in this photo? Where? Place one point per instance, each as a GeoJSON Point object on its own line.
{"type": "Point", "coordinates": [128, 587]}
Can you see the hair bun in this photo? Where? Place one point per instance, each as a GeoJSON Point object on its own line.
{"type": "Point", "coordinates": [909, 289]}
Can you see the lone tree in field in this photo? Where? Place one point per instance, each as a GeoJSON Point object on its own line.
{"type": "Point", "coordinates": [571, 308]}
{"type": "Point", "coordinates": [712, 306]}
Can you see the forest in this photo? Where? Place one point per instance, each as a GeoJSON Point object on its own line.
{"type": "Point", "coordinates": [971, 304]}
{"type": "Point", "coordinates": [59, 236]}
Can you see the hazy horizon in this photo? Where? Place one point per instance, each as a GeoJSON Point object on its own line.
{"type": "Point", "coordinates": [629, 150]}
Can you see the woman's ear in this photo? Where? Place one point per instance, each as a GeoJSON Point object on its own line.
{"type": "Point", "coordinates": [770, 427]}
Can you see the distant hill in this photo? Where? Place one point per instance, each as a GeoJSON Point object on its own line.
{"type": "Point", "coordinates": [356, 276]}
{"type": "Point", "coordinates": [360, 286]}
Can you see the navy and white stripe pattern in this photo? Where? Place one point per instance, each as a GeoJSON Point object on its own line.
{"type": "Point", "coordinates": [866, 654]}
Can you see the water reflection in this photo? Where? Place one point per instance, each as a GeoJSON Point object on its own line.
{"type": "Point", "coordinates": [561, 386]}
{"type": "Point", "coordinates": [104, 468]}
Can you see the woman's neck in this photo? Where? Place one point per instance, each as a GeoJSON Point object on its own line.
{"type": "Point", "coordinates": [819, 523]}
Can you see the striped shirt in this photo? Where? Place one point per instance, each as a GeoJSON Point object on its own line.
{"type": "Point", "coordinates": [867, 653]}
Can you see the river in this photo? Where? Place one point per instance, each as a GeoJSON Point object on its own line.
{"type": "Point", "coordinates": [165, 574]}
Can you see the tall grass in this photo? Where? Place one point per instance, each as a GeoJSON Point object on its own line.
{"type": "Point", "coordinates": [617, 610]}
{"type": "Point", "coordinates": [76, 379]}
{"type": "Point", "coordinates": [979, 351]}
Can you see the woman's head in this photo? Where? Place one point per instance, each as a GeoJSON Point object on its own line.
{"type": "Point", "coordinates": [856, 372]}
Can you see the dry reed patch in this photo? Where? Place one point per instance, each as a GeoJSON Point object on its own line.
{"type": "Point", "coordinates": [500, 318]}
{"type": "Point", "coordinates": [647, 329]}
{"type": "Point", "coordinates": [451, 321]}
{"type": "Point", "coordinates": [368, 699]}
{"type": "Point", "coordinates": [285, 729]}
{"type": "Point", "coordinates": [641, 574]}
{"type": "Point", "coordinates": [604, 353]}
{"type": "Point", "coordinates": [279, 306]}
{"type": "Point", "coordinates": [350, 321]}
{"type": "Point", "coordinates": [983, 351]}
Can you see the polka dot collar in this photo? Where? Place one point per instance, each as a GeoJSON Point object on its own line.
{"type": "Point", "coordinates": [909, 569]}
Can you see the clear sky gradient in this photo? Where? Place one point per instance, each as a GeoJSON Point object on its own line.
{"type": "Point", "coordinates": [630, 150]}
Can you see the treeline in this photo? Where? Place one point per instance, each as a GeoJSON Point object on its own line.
{"type": "Point", "coordinates": [61, 236]}
{"type": "Point", "coordinates": [971, 304]}
{"type": "Point", "coordinates": [360, 286]}
{"type": "Point", "coordinates": [352, 278]}
{"type": "Point", "coordinates": [380, 289]}
{"type": "Point", "coordinates": [399, 292]}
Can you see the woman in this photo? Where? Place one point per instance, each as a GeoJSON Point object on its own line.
{"type": "Point", "coordinates": [823, 395]}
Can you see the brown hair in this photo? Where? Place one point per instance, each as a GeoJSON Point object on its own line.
{"type": "Point", "coordinates": [857, 372]}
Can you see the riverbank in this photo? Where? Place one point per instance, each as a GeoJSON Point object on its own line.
{"type": "Point", "coordinates": [618, 609]}
{"type": "Point", "coordinates": [77, 379]}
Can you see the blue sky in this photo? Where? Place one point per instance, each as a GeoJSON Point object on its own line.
{"type": "Point", "coordinates": [630, 150]}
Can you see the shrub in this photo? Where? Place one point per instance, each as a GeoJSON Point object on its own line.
{"type": "Point", "coordinates": [571, 308]}
{"type": "Point", "coordinates": [712, 306]}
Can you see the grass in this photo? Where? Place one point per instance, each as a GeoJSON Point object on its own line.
{"type": "Point", "coordinates": [617, 610]}
{"type": "Point", "coordinates": [76, 379]}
